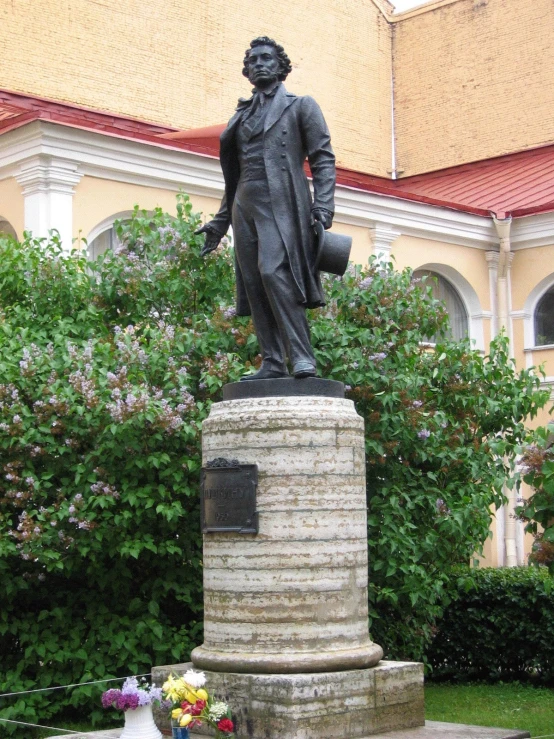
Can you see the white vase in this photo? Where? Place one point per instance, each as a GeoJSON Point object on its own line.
{"type": "Point", "coordinates": [139, 724]}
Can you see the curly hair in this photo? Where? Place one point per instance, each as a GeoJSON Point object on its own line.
{"type": "Point", "coordinates": [285, 67]}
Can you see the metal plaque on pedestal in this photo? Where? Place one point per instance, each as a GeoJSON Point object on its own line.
{"type": "Point", "coordinates": [228, 497]}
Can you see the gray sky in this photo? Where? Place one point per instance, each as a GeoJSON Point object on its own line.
{"type": "Point", "coordinates": [406, 4]}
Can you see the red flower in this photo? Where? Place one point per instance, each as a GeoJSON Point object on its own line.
{"type": "Point", "coordinates": [185, 705]}
{"type": "Point", "coordinates": [198, 707]}
{"type": "Point", "coordinates": [225, 725]}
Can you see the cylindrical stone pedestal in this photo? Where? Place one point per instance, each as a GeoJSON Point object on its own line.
{"type": "Point", "coordinates": [292, 598]}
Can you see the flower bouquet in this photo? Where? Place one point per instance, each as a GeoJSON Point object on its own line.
{"type": "Point", "coordinates": [132, 695]}
{"type": "Point", "coordinates": [136, 700]}
{"type": "Point", "coordinates": [192, 705]}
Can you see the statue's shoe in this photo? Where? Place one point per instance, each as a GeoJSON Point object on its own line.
{"type": "Point", "coordinates": [266, 374]}
{"type": "Point", "coordinates": [304, 369]}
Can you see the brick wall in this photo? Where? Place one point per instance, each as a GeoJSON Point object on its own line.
{"type": "Point", "coordinates": [179, 63]}
{"type": "Point", "coordinates": [473, 80]}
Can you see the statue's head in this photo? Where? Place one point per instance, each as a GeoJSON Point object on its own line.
{"type": "Point", "coordinates": [265, 61]}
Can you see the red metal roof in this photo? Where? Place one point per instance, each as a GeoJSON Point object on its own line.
{"type": "Point", "coordinates": [17, 109]}
{"type": "Point", "coordinates": [517, 184]}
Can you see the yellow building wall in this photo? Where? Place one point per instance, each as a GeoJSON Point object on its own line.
{"type": "Point", "coordinates": [362, 248]}
{"type": "Point", "coordinates": [489, 557]}
{"type": "Point", "coordinates": [97, 199]}
{"type": "Point", "coordinates": [529, 267]}
{"type": "Point", "coordinates": [179, 63]}
{"type": "Point", "coordinates": [11, 204]}
{"type": "Point", "coordinates": [472, 80]}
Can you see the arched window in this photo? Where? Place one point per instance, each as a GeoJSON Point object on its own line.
{"type": "Point", "coordinates": [444, 291]}
{"type": "Point", "coordinates": [103, 236]}
{"type": "Point", "coordinates": [104, 241]}
{"type": "Point", "coordinates": [6, 228]}
{"type": "Point", "coordinates": [544, 319]}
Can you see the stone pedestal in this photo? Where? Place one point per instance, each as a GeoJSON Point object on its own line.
{"type": "Point", "coordinates": [292, 598]}
{"type": "Point", "coordinates": [286, 639]}
{"type": "Point", "coordinates": [353, 704]}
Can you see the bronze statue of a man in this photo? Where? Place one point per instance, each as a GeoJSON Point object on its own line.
{"type": "Point", "coordinates": [268, 201]}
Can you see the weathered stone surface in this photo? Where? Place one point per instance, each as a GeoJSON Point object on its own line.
{"type": "Point", "coordinates": [292, 598]}
{"type": "Point", "coordinates": [106, 734]}
{"type": "Point", "coordinates": [315, 553]}
{"type": "Point", "coordinates": [431, 730]}
{"type": "Point", "coordinates": [335, 705]}
{"type": "Point", "coordinates": [396, 682]}
{"type": "Point", "coordinates": [441, 730]}
{"type": "Point", "coordinates": [259, 438]}
{"type": "Point", "coordinates": [296, 460]}
{"type": "Point", "coordinates": [249, 419]}
{"type": "Point", "coordinates": [311, 492]}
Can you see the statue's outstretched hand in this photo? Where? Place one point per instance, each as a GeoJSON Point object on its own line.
{"type": "Point", "coordinates": [325, 217]}
{"type": "Point", "coordinates": [213, 238]}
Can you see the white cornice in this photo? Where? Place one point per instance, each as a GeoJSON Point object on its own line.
{"type": "Point", "coordinates": [160, 165]}
{"type": "Point", "coordinates": [112, 158]}
{"type": "Point", "coordinates": [532, 231]}
{"type": "Point", "coordinates": [360, 208]}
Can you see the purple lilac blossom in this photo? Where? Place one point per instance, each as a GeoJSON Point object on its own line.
{"type": "Point", "coordinates": [130, 685]}
{"type": "Point", "coordinates": [229, 312]}
{"type": "Point", "coordinates": [155, 694]}
{"type": "Point", "coordinates": [424, 434]}
{"type": "Point", "coordinates": [109, 697]}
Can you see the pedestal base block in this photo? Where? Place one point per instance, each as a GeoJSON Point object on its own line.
{"type": "Point", "coordinates": [353, 704]}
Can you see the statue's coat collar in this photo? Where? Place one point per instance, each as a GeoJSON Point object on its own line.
{"type": "Point", "coordinates": [281, 101]}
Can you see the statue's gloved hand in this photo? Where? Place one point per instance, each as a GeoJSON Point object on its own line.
{"type": "Point", "coordinates": [322, 215]}
{"type": "Point", "coordinates": [213, 238]}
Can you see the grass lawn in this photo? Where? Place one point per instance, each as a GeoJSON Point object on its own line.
{"type": "Point", "coordinates": [510, 706]}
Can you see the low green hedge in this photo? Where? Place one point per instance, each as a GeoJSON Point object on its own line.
{"type": "Point", "coordinates": [500, 626]}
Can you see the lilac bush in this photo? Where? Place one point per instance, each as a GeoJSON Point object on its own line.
{"type": "Point", "coordinates": [106, 373]}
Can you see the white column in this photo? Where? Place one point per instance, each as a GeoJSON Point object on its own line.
{"type": "Point", "coordinates": [382, 237]}
{"type": "Point", "coordinates": [48, 186]}
{"type": "Point", "coordinates": [492, 261]}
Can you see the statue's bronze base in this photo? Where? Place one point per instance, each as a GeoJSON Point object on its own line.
{"type": "Point", "coordinates": [283, 387]}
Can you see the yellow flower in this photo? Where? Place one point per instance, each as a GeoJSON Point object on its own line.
{"type": "Point", "coordinates": [176, 713]}
{"type": "Point", "coordinates": [185, 721]}
{"type": "Point", "coordinates": [202, 694]}
{"type": "Point", "coordinates": [190, 696]}
{"type": "Point", "coordinates": [168, 685]}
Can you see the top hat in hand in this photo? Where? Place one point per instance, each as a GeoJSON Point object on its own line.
{"type": "Point", "coordinates": [332, 251]}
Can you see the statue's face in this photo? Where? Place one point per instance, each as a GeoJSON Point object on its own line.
{"type": "Point", "coordinates": [263, 66]}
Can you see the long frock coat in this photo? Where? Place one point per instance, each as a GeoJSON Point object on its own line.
{"type": "Point", "coordinates": [294, 130]}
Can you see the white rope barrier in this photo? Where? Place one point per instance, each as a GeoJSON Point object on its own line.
{"type": "Point", "coordinates": [75, 685]}
{"type": "Point", "coordinates": [55, 728]}
{"type": "Point", "coordinates": [64, 687]}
